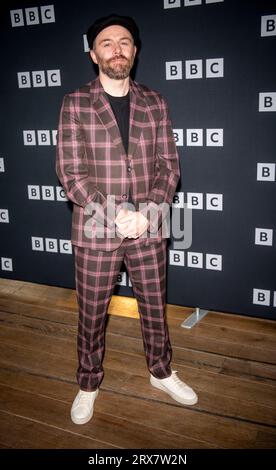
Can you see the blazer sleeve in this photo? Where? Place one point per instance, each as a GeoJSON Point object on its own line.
{"type": "Point", "coordinates": [167, 173]}
{"type": "Point", "coordinates": [72, 165]}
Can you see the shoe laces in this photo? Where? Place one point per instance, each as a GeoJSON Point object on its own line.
{"type": "Point", "coordinates": [177, 382]}
{"type": "Point", "coordinates": [85, 398]}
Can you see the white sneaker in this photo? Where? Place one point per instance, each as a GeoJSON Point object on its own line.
{"type": "Point", "coordinates": [82, 408]}
{"type": "Point", "coordinates": [177, 389]}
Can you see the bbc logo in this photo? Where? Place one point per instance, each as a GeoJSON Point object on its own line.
{"type": "Point", "coordinates": [214, 68]}
{"type": "Point", "coordinates": [32, 16]}
{"type": "Point", "coordinates": [196, 260]}
{"type": "Point", "coordinates": [46, 193]}
{"type": "Point", "coordinates": [37, 79]}
{"type": "Point", "coordinates": [51, 245]}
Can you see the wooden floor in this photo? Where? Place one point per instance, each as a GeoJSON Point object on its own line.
{"type": "Point", "coordinates": [228, 359]}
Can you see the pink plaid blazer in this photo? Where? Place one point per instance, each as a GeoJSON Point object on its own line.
{"type": "Point", "coordinates": [92, 164]}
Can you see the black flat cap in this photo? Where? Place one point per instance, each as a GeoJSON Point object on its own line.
{"type": "Point", "coordinates": [101, 23]}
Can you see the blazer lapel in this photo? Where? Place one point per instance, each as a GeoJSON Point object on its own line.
{"type": "Point", "coordinates": [137, 116]}
{"type": "Point", "coordinates": [104, 111]}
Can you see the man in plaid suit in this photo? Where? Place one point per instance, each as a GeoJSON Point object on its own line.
{"type": "Point", "coordinates": [118, 164]}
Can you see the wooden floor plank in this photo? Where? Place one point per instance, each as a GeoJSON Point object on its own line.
{"type": "Point", "coordinates": [180, 337]}
{"type": "Point", "coordinates": [103, 427]}
{"type": "Point", "coordinates": [66, 298]}
{"type": "Point", "coordinates": [209, 360]}
{"type": "Point", "coordinates": [19, 432]}
{"type": "Point", "coordinates": [230, 360]}
{"type": "Point", "coordinates": [216, 393]}
{"type": "Point", "coordinates": [200, 359]}
{"type": "Point", "coordinates": [210, 381]}
{"type": "Point", "coordinates": [226, 432]}
{"type": "Point", "coordinates": [217, 344]}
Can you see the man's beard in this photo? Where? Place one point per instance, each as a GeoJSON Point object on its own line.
{"type": "Point", "coordinates": [116, 71]}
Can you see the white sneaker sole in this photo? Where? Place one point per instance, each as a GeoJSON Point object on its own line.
{"type": "Point", "coordinates": [183, 401]}
{"type": "Point", "coordinates": [81, 420]}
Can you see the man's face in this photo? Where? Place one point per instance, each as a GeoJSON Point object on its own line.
{"type": "Point", "coordinates": [114, 52]}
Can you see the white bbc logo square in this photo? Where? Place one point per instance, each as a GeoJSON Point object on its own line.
{"type": "Point", "coordinates": [174, 70]}
{"type": "Point", "coordinates": [214, 68]}
{"type": "Point", "coordinates": [24, 79]}
{"type": "Point", "coordinates": [47, 14]}
{"type": "Point", "coordinates": [214, 137]}
{"type": "Point", "coordinates": [6, 264]}
{"type": "Point", "coordinates": [214, 262]}
{"type": "Point", "coordinates": [268, 25]}
{"type": "Point", "coordinates": [193, 68]}
{"type": "Point", "coordinates": [195, 260]}
{"type": "Point", "coordinates": [266, 172]}
{"type": "Point", "coordinates": [65, 247]}
{"type": "Point", "coordinates": [37, 244]}
{"type": "Point", "coordinates": [261, 297]}
{"type": "Point", "coordinates": [176, 258]}
{"type": "Point", "coordinates": [194, 137]}
{"type": "Point", "coordinates": [263, 236]}
{"type": "Point", "coordinates": [267, 101]}
{"type": "Point", "coordinates": [32, 16]}
{"type": "Point", "coordinates": [17, 18]}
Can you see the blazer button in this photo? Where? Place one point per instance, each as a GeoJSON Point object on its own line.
{"type": "Point", "coordinates": [124, 196]}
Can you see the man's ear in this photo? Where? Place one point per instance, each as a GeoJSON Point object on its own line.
{"type": "Point", "coordinates": [93, 56]}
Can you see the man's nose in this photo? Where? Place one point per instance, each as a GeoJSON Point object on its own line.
{"type": "Point", "coordinates": [117, 49]}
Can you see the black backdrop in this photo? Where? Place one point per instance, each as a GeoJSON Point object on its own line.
{"type": "Point", "coordinates": [233, 100]}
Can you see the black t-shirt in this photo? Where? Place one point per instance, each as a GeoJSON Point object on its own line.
{"type": "Point", "coordinates": [120, 108]}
